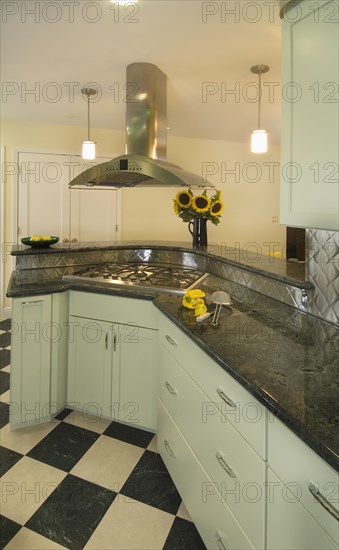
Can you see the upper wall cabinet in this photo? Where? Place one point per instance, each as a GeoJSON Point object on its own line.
{"type": "Point", "coordinates": [310, 111]}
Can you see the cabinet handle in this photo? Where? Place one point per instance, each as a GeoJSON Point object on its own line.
{"type": "Point", "coordinates": [323, 501]}
{"type": "Point", "coordinates": [224, 465]}
{"type": "Point", "coordinates": [115, 339]}
{"type": "Point", "coordinates": [106, 340]}
{"type": "Point", "coordinates": [219, 541]}
{"type": "Point", "coordinates": [225, 398]}
{"type": "Point", "coordinates": [168, 449]}
{"type": "Point", "coordinates": [170, 340]}
{"type": "Point", "coordinates": [31, 302]}
{"type": "Point", "coordinates": [65, 241]}
{"type": "Point", "coordinates": [74, 240]}
{"type": "Point", "coordinates": [169, 387]}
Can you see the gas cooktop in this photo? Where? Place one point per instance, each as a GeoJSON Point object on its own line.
{"type": "Point", "coordinates": [156, 277]}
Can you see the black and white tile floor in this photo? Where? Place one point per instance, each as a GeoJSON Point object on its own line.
{"type": "Point", "coordinates": [87, 483]}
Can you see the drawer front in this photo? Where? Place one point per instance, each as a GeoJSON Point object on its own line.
{"type": "Point", "coordinates": [237, 405]}
{"type": "Point", "coordinates": [213, 519]}
{"type": "Point", "coordinates": [236, 469]}
{"type": "Point", "coordinates": [289, 525]}
{"type": "Point", "coordinates": [298, 467]}
{"type": "Point", "coordinates": [116, 309]}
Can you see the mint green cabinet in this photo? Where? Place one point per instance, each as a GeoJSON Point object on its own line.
{"type": "Point", "coordinates": [310, 115]}
{"type": "Point", "coordinates": [38, 358]}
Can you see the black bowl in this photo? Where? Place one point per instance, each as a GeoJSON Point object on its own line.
{"type": "Point", "coordinates": [39, 244]}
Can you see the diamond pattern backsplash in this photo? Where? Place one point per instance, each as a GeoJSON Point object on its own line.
{"type": "Point", "coordinates": [322, 258]}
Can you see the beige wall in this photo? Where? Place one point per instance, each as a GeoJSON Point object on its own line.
{"type": "Point", "coordinates": [147, 213]}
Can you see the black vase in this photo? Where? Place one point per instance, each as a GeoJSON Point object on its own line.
{"type": "Point", "coordinates": [199, 232]}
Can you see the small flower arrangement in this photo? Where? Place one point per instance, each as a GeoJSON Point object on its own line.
{"type": "Point", "coordinates": [189, 206]}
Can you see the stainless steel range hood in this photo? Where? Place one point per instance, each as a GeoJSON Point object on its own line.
{"type": "Point", "coordinates": [145, 163]}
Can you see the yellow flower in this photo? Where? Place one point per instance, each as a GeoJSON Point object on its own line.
{"type": "Point", "coordinates": [201, 203]}
{"type": "Point", "coordinates": [183, 198]}
{"type": "Point", "coordinates": [176, 207]}
{"type": "Point", "coordinates": [217, 208]}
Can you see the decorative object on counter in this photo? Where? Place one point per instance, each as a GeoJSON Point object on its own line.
{"type": "Point", "coordinates": [88, 146]}
{"type": "Point", "coordinates": [194, 299]}
{"type": "Point", "coordinates": [39, 241]}
{"type": "Point", "coordinates": [196, 210]}
{"type": "Point", "coordinates": [219, 298]}
{"type": "Point", "coordinates": [259, 136]}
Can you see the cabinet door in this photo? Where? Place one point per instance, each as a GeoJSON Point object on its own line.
{"type": "Point", "coordinates": [309, 178]}
{"type": "Point", "coordinates": [135, 377]}
{"type": "Point", "coordinates": [31, 360]}
{"type": "Point", "coordinates": [289, 525]}
{"type": "Point", "coordinates": [95, 215]}
{"type": "Point", "coordinates": [90, 366]}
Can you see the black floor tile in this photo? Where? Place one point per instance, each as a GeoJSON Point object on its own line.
{"type": "Point", "coordinates": [63, 414]}
{"type": "Point", "coordinates": [72, 512]}
{"type": "Point", "coordinates": [4, 381]}
{"type": "Point", "coordinates": [183, 535]}
{"type": "Point", "coordinates": [5, 358]}
{"type": "Point", "coordinates": [7, 459]}
{"type": "Point", "coordinates": [8, 529]}
{"type": "Point", "coordinates": [129, 434]}
{"type": "Point", "coordinates": [4, 414]}
{"type": "Point", "coordinates": [5, 324]}
{"type": "Point", "coordinates": [64, 446]}
{"type": "Point", "coordinates": [151, 483]}
{"type": "Point", "coordinates": [5, 339]}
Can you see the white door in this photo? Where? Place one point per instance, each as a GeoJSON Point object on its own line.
{"type": "Point", "coordinates": [46, 205]}
{"type": "Point", "coordinates": [43, 197]}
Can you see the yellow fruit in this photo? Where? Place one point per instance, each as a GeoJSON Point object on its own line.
{"type": "Point", "coordinates": [46, 238]}
{"type": "Point", "coordinates": [200, 309]}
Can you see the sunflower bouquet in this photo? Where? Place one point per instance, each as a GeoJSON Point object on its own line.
{"type": "Point", "coordinates": [189, 206]}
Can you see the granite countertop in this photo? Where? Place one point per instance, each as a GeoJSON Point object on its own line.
{"type": "Point", "coordinates": [287, 359]}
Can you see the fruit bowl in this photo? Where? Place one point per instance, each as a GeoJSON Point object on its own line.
{"type": "Point", "coordinates": [39, 244]}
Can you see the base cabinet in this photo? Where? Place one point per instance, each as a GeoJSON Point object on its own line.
{"type": "Point", "coordinates": [38, 358]}
{"type": "Point", "coordinates": [112, 366]}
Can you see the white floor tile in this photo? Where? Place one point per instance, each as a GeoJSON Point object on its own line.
{"type": "Point", "coordinates": [153, 445]}
{"type": "Point", "coordinates": [87, 421]}
{"type": "Point", "coordinates": [108, 462]}
{"type": "Point", "coordinates": [5, 397]}
{"type": "Point", "coordinates": [183, 512]}
{"type": "Point", "coordinates": [7, 368]}
{"type": "Point", "coordinates": [24, 439]}
{"type": "Point", "coordinates": [131, 525]}
{"type": "Point", "coordinates": [26, 486]}
{"type": "Point", "coordinates": [25, 539]}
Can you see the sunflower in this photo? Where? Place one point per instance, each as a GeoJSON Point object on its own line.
{"type": "Point", "coordinates": [184, 199]}
{"type": "Point", "coordinates": [201, 203]}
{"type": "Point", "coordinates": [176, 207]}
{"type": "Point", "coordinates": [217, 208]}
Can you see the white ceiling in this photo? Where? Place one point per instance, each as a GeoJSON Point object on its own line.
{"type": "Point", "coordinates": [84, 42]}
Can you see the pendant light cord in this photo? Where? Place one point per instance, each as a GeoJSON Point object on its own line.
{"type": "Point", "coordinates": [88, 96]}
{"type": "Point", "coordinates": [259, 106]}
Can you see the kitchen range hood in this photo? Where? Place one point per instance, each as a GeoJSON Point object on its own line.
{"type": "Point", "coordinates": [145, 163]}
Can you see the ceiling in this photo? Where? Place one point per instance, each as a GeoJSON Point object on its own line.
{"type": "Point", "coordinates": [203, 47]}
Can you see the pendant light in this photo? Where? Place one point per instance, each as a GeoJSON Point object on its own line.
{"type": "Point", "coordinates": [259, 136]}
{"type": "Point", "coordinates": [88, 146]}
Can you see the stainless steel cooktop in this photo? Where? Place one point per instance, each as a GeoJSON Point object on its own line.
{"type": "Point", "coordinates": [156, 277]}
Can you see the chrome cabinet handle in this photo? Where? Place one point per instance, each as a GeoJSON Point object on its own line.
{"type": "Point", "coordinates": [32, 302]}
{"type": "Point", "coordinates": [323, 501]}
{"type": "Point", "coordinates": [74, 240]}
{"type": "Point", "coordinates": [106, 341]}
{"type": "Point", "coordinates": [115, 339]}
{"type": "Point", "coordinates": [219, 541]}
{"type": "Point", "coordinates": [170, 340]}
{"type": "Point", "coordinates": [224, 465]}
{"type": "Point", "coordinates": [170, 388]}
{"type": "Point", "coordinates": [168, 449]}
{"type": "Point", "coordinates": [225, 398]}
{"type": "Point", "coordinates": [65, 240]}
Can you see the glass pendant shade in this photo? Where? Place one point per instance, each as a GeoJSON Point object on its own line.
{"type": "Point", "coordinates": [259, 141]}
{"type": "Point", "coordinates": [88, 150]}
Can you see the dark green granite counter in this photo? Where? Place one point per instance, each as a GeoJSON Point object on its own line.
{"type": "Point", "coordinates": [287, 359]}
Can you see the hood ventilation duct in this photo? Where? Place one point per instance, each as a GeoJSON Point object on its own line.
{"type": "Point", "coordinates": [146, 130]}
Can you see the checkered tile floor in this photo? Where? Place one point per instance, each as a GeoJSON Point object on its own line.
{"type": "Point", "coordinates": [80, 483]}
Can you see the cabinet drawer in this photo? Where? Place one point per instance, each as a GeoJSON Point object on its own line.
{"type": "Point", "coordinates": [211, 516]}
{"type": "Point", "coordinates": [116, 309]}
{"type": "Point", "coordinates": [236, 469]}
{"type": "Point", "coordinates": [236, 404]}
{"type": "Point", "coordinates": [290, 526]}
{"type": "Point", "coordinates": [298, 466]}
